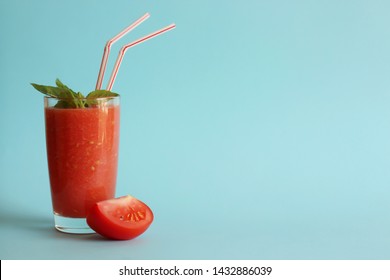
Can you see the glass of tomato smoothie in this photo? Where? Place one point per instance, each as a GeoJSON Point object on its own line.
{"type": "Point", "coordinates": [82, 152]}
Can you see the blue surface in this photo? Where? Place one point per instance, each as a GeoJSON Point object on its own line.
{"type": "Point", "coordinates": [254, 130]}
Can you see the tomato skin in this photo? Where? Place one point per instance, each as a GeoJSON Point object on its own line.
{"type": "Point", "coordinates": [120, 218]}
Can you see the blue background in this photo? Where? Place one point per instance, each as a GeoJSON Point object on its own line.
{"type": "Point", "coordinates": [254, 130]}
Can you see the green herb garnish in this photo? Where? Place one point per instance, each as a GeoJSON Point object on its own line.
{"type": "Point", "coordinates": [71, 99]}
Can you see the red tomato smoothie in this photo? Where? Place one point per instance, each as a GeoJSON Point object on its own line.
{"type": "Point", "coordinates": [82, 151]}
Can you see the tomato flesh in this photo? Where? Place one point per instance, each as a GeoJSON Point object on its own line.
{"type": "Point", "coordinates": [120, 218]}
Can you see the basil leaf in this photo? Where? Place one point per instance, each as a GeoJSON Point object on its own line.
{"type": "Point", "coordinates": [63, 104]}
{"type": "Point", "coordinates": [77, 97]}
{"type": "Point", "coordinates": [99, 93]}
{"type": "Point", "coordinates": [61, 85]}
{"type": "Point", "coordinates": [51, 91]}
{"type": "Point", "coordinates": [70, 98]}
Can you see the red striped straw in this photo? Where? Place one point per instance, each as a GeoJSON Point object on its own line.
{"type": "Point", "coordinates": [110, 42]}
{"type": "Point", "coordinates": [132, 44]}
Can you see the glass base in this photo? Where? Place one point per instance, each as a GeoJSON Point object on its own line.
{"type": "Point", "coordinates": [72, 225]}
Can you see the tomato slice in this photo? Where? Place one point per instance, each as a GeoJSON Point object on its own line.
{"type": "Point", "coordinates": [120, 218]}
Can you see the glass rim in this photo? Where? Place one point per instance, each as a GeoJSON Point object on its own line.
{"type": "Point", "coordinates": [84, 98]}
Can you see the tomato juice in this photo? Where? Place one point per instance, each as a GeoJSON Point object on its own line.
{"type": "Point", "coordinates": [82, 151]}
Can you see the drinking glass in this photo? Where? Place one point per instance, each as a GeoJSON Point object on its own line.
{"type": "Point", "coordinates": [82, 152]}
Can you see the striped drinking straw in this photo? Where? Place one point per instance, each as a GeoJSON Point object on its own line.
{"type": "Point", "coordinates": [110, 42]}
{"type": "Point", "coordinates": [130, 45]}
{"type": "Point", "coordinates": [123, 50]}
